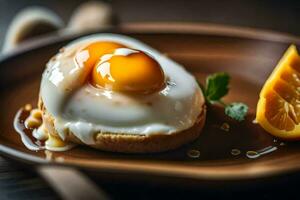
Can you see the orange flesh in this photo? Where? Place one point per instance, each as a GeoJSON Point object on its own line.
{"type": "Point", "coordinates": [278, 109]}
{"type": "Point", "coordinates": [286, 114]}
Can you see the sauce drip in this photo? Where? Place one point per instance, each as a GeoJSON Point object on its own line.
{"type": "Point", "coordinates": [256, 154]}
{"type": "Point", "coordinates": [27, 133]}
{"type": "Point", "coordinates": [29, 136]}
{"type": "Point", "coordinates": [213, 127]}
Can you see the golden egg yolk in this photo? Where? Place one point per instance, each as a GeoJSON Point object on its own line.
{"type": "Point", "coordinates": [91, 54]}
{"type": "Point", "coordinates": [128, 70]}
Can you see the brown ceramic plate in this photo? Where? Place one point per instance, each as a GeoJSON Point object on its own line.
{"type": "Point", "coordinates": [247, 55]}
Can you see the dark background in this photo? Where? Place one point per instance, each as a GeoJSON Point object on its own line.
{"type": "Point", "coordinates": [278, 15]}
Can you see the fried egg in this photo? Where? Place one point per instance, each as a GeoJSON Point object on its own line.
{"type": "Point", "coordinates": [116, 84]}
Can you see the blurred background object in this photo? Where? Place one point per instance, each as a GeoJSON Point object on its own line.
{"type": "Point", "coordinates": [89, 16]}
{"type": "Point", "coordinates": [35, 21]}
{"type": "Point", "coordinates": [30, 22]}
{"type": "Point", "coordinates": [275, 15]}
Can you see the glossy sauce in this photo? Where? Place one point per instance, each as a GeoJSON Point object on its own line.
{"type": "Point", "coordinates": [192, 152]}
{"type": "Point", "coordinates": [31, 140]}
{"type": "Point", "coordinates": [27, 133]}
{"type": "Point", "coordinates": [224, 137]}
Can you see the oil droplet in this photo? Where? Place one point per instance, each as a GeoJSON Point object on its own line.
{"type": "Point", "coordinates": [275, 140]}
{"type": "Point", "coordinates": [252, 154]}
{"type": "Point", "coordinates": [225, 127]}
{"type": "Point", "coordinates": [267, 150]}
{"type": "Point", "coordinates": [235, 152]}
{"type": "Point", "coordinates": [193, 153]}
{"type": "Point", "coordinates": [254, 121]}
{"type": "Point", "coordinates": [256, 154]}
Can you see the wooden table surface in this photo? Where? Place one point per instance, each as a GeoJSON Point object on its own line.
{"type": "Point", "coordinates": [17, 183]}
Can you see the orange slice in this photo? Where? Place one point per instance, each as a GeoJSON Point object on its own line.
{"type": "Point", "coordinates": [278, 108]}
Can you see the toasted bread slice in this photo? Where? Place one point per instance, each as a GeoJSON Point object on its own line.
{"type": "Point", "coordinates": [129, 143]}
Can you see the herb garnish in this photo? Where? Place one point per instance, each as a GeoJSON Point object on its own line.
{"type": "Point", "coordinates": [216, 87]}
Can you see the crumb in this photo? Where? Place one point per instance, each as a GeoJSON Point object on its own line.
{"type": "Point", "coordinates": [28, 107]}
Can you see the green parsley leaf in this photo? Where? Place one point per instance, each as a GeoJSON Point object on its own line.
{"type": "Point", "coordinates": [236, 111]}
{"type": "Point", "coordinates": [216, 86]}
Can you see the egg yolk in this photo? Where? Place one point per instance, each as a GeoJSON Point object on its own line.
{"type": "Point", "coordinates": [91, 54]}
{"type": "Point", "coordinates": [128, 70]}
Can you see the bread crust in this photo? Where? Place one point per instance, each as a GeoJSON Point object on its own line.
{"type": "Point", "coordinates": [128, 143]}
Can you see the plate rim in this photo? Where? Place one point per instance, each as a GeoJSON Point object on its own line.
{"type": "Point", "coordinates": [159, 27]}
{"type": "Point", "coordinates": [158, 169]}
